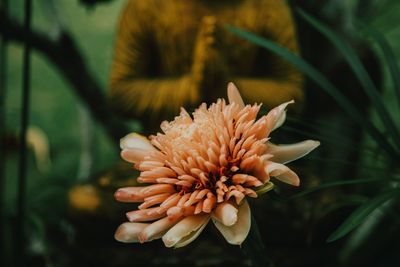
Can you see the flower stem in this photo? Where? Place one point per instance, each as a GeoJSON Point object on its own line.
{"type": "Point", "coordinates": [254, 248]}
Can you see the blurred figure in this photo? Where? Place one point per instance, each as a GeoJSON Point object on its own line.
{"type": "Point", "coordinates": [177, 53]}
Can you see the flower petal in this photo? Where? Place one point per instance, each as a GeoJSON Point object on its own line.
{"type": "Point", "coordinates": [134, 156]}
{"type": "Point", "coordinates": [234, 95]}
{"type": "Point", "coordinates": [226, 213]}
{"type": "Point", "coordinates": [145, 215]}
{"type": "Point", "coordinates": [276, 116]}
{"type": "Point", "coordinates": [155, 229]}
{"type": "Point", "coordinates": [128, 232]}
{"type": "Point", "coordinates": [136, 141]}
{"type": "Point", "coordinates": [282, 173]}
{"type": "Point", "coordinates": [287, 153]}
{"type": "Point", "coordinates": [185, 231]}
{"type": "Point", "coordinates": [238, 232]}
{"type": "Point", "coordinates": [135, 147]}
{"type": "Point", "coordinates": [129, 194]}
{"type": "Point", "coordinates": [190, 238]}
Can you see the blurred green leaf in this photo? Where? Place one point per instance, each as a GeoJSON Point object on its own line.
{"type": "Point", "coordinates": [323, 82]}
{"type": "Point", "coordinates": [373, 169]}
{"type": "Point", "coordinates": [361, 213]}
{"type": "Point", "coordinates": [333, 141]}
{"type": "Point", "coordinates": [337, 183]}
{"type": "Point", "coordinates": [389, 57]}
{"type": "Point", "coordinates": [38, 225]}
{"type": "Point", "coordinates": [359, 70]}
{"type": "Point", "coordinates": [340, 202]}
{"type": "Point", "coordinates": [49, 193]}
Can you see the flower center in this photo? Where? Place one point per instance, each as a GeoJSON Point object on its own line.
{"type": "Point", "coordinates": [223, 175]}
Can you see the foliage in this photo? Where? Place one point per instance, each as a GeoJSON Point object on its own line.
{"type": "Point", "coordinates": [390, 145]}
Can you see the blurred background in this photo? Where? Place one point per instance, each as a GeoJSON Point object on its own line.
{"type": "Point", "coordinates": [103, 68]}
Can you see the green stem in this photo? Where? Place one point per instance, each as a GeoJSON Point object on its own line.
{"type": "Point", "coordinates": [254, 248]}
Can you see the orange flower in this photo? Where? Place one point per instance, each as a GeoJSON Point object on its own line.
{"type": "Point", "coordinates": [203, 167]}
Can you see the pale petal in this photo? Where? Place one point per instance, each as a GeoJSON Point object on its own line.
{"type": "Point", "coordinates": [128, 232]}
{"type": "Point", "coordinates": [185, 231]}
{"type": "Point", "coordinates": [238, 232]}
{"type": "Point", "coordinates": [134, 156]}
{"type": "Point", "coordinates": [226, 213]}
{"type": "Point", "coordinates": [234, 95]}
{"type": "Point", "coordinates": [282, 173]}
{"type": "Point", "coordinates": [190, 238]}
{"type": "Point", "coordinates": [276, 117]}
{"type": "Point", "coordinates": [136, 141]}
{"type": "Point", "coordinates": [129, 194]}
{"type": "Point", "coordinates": [155, 229]}
{"type": "Point", "coordinates": [152, 190]}
{"type": "Point", "coordinates": [259, 169]}
{"type": "Point", "coordinates": [290, 152]}
{"type": "Point", "coordinates": [145, 215]}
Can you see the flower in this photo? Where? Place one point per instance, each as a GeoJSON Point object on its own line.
{"type": "Point", "coordinates": [203, 167]}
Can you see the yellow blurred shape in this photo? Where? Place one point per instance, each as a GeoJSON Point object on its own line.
{"type": "Point", "coordinates": [84, 198]}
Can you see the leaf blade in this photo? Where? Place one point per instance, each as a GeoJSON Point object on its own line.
{"type": "Point", "coordinates": [321, 80]}
{"type": "Point", "coordinates": [359, 70]}
{"type": "Point", "coordinates": [361, 213]}
{"type": "Point", "coordinates": [389, 57]}
{"type": "Point", "coordinates": [336, 183]}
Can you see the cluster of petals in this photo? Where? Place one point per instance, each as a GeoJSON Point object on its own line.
{"type": "Point", "coordinates": [204, 167]}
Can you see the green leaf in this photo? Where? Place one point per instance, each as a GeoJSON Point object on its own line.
{"type": "Point", "coordinates": [323, 82]}
{"type": "Point", "coordinates": [361, 213]}
{"type": "Point", "coordinates": [389, 57]}
{"type": "Point", "coordinates": [340, 202]}
{"type": "Point", "coordinates": [337, 183]}
{"type": "Point", "coordinates": [331, 140]}
{"type": "Point", "coordinates": [373, 169]}
{"type": "Point", "coordinates": [38, 225]}
{"type": "Point", "coordinates": [359, 70]}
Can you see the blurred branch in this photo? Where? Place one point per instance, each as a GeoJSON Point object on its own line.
{"type": "Point", "coordinates": [92, 3]}
{"type": "Point", "coordinates": [65, 55]}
